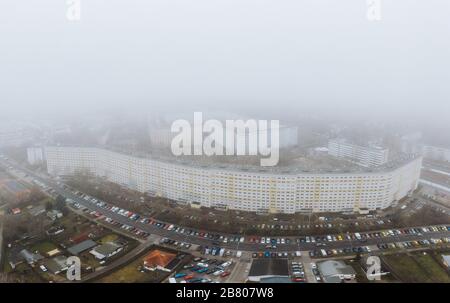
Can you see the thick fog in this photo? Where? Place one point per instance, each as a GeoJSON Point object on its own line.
{"type": "Point", "coordinates": [285, 55]}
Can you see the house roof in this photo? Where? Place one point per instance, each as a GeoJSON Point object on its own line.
{"type": "Point", "coordinates": [35, 211]}
{"type": "Point", "coordinates": [332, 269]}
{"type": "Point", "coordinates": [56, 264]}
{"type": "Point", "coordinates": [107, 248]}
{"type": "Point", "coordinates": [269, 267]}
{"type": "Point", "coordinates": [158, 258]}
{"type": "Point", "coordinates": [82, 246]}
{"type": "Point", "coordinates": [29, 256]}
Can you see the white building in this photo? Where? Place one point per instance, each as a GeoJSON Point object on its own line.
{"type": "Point", "coordinates": [367, 156]}
{"type": "Point", "coordinates": [259, 190]}
{"type": "Point", "coordinates": [411, 143]}
{"type": "Point", "coordinates": [35, 155]}
{"type": "Point", "coordinates": [15, 137]}
{"type": "Point", "coordinates": [436, 153]}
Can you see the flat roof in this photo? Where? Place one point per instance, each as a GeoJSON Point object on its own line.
{"type": "Point", "coordinates": [82, 246]}
{"type": "Point", "coordinates": [265, 267]}
{"type": "Point", "coordinates": [319, 164]}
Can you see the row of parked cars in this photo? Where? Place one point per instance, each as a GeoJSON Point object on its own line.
{"type": "Point", "coordinates": [268, 254]}
{"type": "Point", "coordinates": [373, 235]}
{"type": "Point", "coordinates": [99, 215]}
{"type": "Point", "coordinates": [270, 242]}
{"type": "Point", "coordinates": [297, 272]}
{"type": "Point", "coordinates": [316, 272]}
{"type": "Point", "coordinates": [413, 244]}
{"type": "Point", "coordinates": [202, 270]}
{"type": "Point", "coordinates": [179, 244]}
{"type": "Point", "coordinates": [335, 252]}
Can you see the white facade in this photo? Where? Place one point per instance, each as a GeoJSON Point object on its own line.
{"type": "Point", "coordinates": [35, 155]}
{"type": "Point", "coordinates": [368, 156]}
{"type": "Point", "coordinates": [436, 153]}
{"type": "Point", "coordinates": [239, 189]}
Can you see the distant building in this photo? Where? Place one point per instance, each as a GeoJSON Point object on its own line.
{"type": "Point", "coordinates": [436, 153]}
{"type": "Point", "coordinates": [35, 155]}
{"type": "Point", "coordinates": [367, 156]}
{"type": "Point", "coordinates": [411, 143]}
{"type": "Point", "coordinates": [15, 137]}
{"type": "Point", "coordinates": [333, 271]}
{"type": "Point", "coordinates": [158, 259]}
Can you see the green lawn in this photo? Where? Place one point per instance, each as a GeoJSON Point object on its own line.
{"type": "Point", "coordinates": [108, 238]}
{"type": "Point", "coordinates": [131, 274]}
{"type": "Point", "coordinates": [88, 260]}
{"type": "Point", "coordinates": [43, 247]}
{"type": "Point", "coordinates": [416, 268]}
{"type": "Point", "coordinates": [434, 269]}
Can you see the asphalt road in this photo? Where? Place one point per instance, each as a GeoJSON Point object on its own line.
{"type": "Point", "coordinates": [251, 247]}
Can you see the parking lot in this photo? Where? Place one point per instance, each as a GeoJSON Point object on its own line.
{"type": "Point", "coordinates": [204, 270]}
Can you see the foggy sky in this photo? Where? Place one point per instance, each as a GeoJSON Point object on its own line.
{"type": "Point", "coordinates": [234, 54]}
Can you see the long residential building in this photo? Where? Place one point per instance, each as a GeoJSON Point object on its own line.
{"type": "Point", "coordinates": [222, 186]}
{"type": "Point", "coordinates": [368, 156]}
{"type": "Point", "coordinates": [436, 153]}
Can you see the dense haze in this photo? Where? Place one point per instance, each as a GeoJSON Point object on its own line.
{"type": "Point", "coordinates": [289, 55]}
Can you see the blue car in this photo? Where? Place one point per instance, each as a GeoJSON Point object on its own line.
{"type": "Point", "coordinates": [179, 275]}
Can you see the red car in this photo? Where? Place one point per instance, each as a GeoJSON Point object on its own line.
{"type": "Point", "coordinates": [225, 274]}
{"type": "Point", "coordinates": [188, 277]}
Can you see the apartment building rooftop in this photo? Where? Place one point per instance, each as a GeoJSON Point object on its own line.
{"type": "Point", "coordinates": [312, 164]}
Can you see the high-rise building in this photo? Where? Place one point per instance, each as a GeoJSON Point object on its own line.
{"type": "Point", "coordinates": [436, 153]}
{"type": "Point", "coordinates": [35, 155]}
{"type": "Point", "coordinates": [367, 156]}
{"type": "Point", "coordinates": [284, 190]}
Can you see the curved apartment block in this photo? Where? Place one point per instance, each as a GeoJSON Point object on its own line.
{"type": "Point", "coordinates": [287, 191]}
